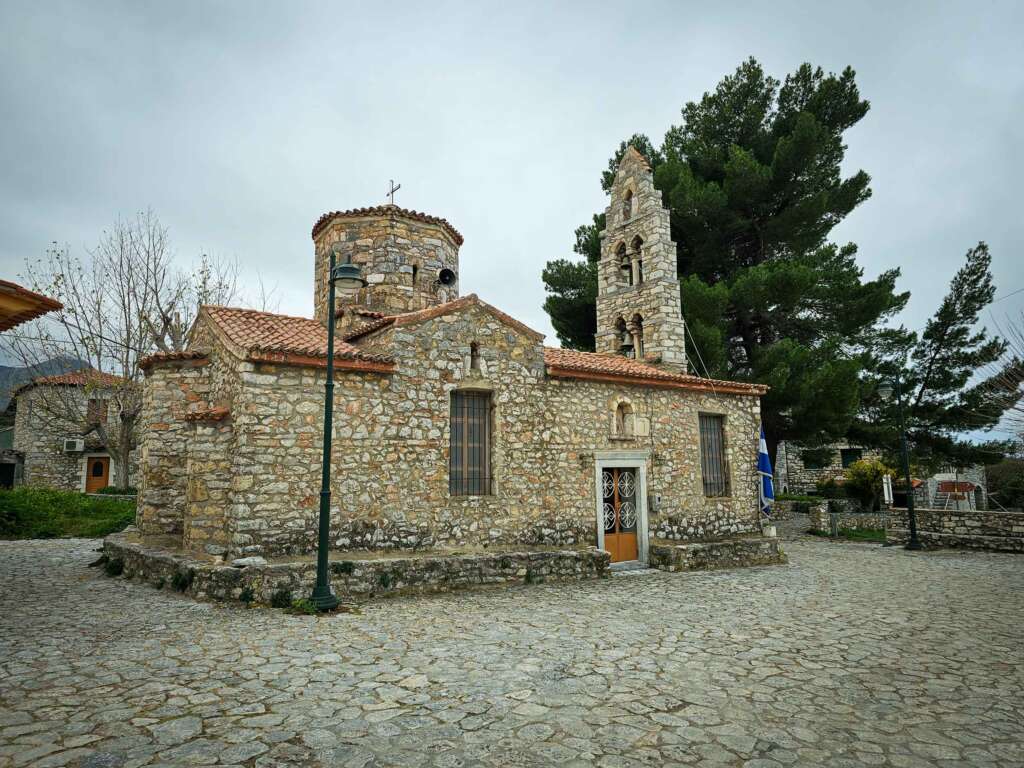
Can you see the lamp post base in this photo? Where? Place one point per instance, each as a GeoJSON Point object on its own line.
{"type": "Point", "coordinates": [324, 599]}
{"type": "Point", "coordinates": [914, 545]}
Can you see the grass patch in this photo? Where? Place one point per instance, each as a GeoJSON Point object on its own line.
{"type": "Point", "coordinates": [45, 513]}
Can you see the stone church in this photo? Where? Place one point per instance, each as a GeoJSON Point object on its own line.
{"type": "Point", "coordinates": [454, 426]}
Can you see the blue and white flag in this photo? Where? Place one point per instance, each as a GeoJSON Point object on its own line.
{"type": "Point", "coordinates": [764, 469]}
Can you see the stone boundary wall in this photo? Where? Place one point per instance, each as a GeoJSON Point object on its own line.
{"type": "Point", "coordinates": [119, 496]}
{"type": "Point", "coordinates": [833, 515]}
{"type": "Point", "coordinates": [715, 555]}
{"type": "Point", "coordinates": [352, 579]}
{"type": "Point", "coordinates": [962, 529]}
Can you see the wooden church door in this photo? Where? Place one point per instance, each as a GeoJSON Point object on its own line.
{"type": "Point", "coordinates": [620, 513]}
{"type": "Point", "coordinates": [97, 473]}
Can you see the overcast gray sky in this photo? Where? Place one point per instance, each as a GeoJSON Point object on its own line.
{"type": "Point", "coordinates": [240, 123]}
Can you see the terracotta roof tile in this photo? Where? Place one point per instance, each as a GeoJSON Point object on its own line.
{"type": "Point", "coordinates": [569, 362]}
{"type": "Point", "coordinates": [419, 316]}
{"type": "Point", "coordinates": [23, 304]}
{"type": "Point", "coordinates": [268, 337]}
{"type": "Point", "coordinates": [387, 210]}
{"type": "Point", "coordinates": [79, 378]}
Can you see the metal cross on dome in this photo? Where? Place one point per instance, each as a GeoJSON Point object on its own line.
{"type": "Point", "coordinates": [392, 190]}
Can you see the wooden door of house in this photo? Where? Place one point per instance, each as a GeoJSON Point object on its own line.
{"type": "Point", "coordinates": [620, 513]}
{"type": "Point", "coordinates": [97, 473]}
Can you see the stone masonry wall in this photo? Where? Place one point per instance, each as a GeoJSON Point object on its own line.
{"type": "Point", "coordinates": [391, 443]}
{"type": "Point", "coordinates": [791, 476]}
{"type": "Point", "coordinates": [170, 391]}
{"type": "Point", "coordinates": [962, 529]}
{"type": "Point", "coordinates": [834, 515]}
{"type": "Point", "coordinates": [400, 260]}
{"type": "Point", "coordinates": [353, 578]}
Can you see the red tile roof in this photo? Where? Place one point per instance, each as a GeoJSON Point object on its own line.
{"type": "Point", "coordinates": [429, 313]}
{"type": "Point", "coordinates": [19, 304]}
{"type": "Point", "coordinates": [266, 337]}
{"type": "Point", "coordinates": [387, 210]}
{"type": "Point", "coordinates": [79, 378]}
{"type": "Point", "coordinates": [570, 363]}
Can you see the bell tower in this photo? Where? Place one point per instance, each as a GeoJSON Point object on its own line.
{"type": "Point", "coordinates": [639, 313]}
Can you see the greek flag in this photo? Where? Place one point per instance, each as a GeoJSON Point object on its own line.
{"type": "Point", "coordinates": [764, 469]}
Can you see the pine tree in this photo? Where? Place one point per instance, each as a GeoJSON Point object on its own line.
{"type": "Point", "coordinates": [753, 182]}
{"type": "Point", "coordinates": [955, 378]}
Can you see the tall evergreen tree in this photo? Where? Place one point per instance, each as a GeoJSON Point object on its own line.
{"type": "Point", "coordinates": [955, 378]}
{"type": "Point", "coordinates": [753, 182]}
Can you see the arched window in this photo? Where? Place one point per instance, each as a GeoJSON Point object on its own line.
{"type": "Point", "coordinates": [415, 272]}
{"type": "Point", "coordinates": [474, 356]}
{"type": "Point", "coordinates": [624, 420]}
{"type": "Point", "coordinates": [627, 205]}
{"type": "Point", "coordinates": [637, 256]}
{"type": "Point", "coordinates": [625, 338]}
{"type": "Point", "coordinates": [625, 265]}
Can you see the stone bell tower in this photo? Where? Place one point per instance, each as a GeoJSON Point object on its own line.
{"type": "Point", "coordinates": [639, 313]}
{"type": "Point", "coordinates": [410, 261]}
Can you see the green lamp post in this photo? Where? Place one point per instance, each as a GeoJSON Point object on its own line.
{"type": "Point", "coordinates": [347, 280]}
{"type": "Point", "coordinates": [885, 391]}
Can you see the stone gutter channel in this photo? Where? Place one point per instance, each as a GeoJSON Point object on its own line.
{"type": "Point", "coordinates": [358, 579]}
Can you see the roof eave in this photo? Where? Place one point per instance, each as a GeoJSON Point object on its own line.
{"type": "Point", "coordinates": [729, 388]}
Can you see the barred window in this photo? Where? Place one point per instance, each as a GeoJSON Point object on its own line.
{"type": "Point", "coordinates": [470, 460]}
{"type": "Point", "coordinates": [713, 465]}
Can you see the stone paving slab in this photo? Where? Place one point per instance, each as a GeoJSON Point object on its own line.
{"type": "Point", "coordinates": [851, 655]}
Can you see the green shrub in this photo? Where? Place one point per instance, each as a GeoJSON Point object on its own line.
{"type": "Point", "coordinates": [182, 580]}
{"type": "Point", "coordinates": [113, 490]}
{"type": "Point", "coordinates": [342, 567]}
{"type": "Point", "coordinates": [114, 566]}
{"type": "Point", "coordinates": [160, 583]}
{"type": "Point", "coordinates": [281, 599]}
{"type": "Point", "coordinates": [864, 481]}
{"type": "Point", "coordinates": [384, 579]}
{"type": "Point", "coordinates": [305, 606]}
{"type": "Point", "coordinates": [247, 595]}
{"type": "Point", "coordinates": [45, 513]}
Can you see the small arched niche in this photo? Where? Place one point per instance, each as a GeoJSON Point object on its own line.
{"type": "Point", "coordinates": [624, 265]}
{"type": "Point", "coordinates": [627, 205]}
{"type": "Point", "coordinates": [625, 420]}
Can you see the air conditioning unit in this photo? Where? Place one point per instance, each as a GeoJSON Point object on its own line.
{"type": "Point", "coordinates": [74, 445]}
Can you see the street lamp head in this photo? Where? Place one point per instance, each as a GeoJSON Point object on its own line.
{"type": "Point", "coordinates": [347, 277]}
{"type": "Point", "coordinates": [885, 390]}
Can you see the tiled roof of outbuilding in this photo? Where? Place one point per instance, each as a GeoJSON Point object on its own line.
{"type": "Point", "coordinates": [79, 378]}
{"type": "Point", "coordinates": [387, 210]}
{"type": "Point", "coordinates": [267, 337]}
{"type": "Point", "coordinates": [573, 363]}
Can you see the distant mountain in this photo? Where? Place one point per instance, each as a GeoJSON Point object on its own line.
{"type": "Point", "coordinates": [12, 377]}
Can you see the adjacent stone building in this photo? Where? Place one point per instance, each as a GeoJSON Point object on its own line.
{"type": "Point", "coordinates": [454, 426]}
{"type": "Point", "coordinates": [53, 444]}
{"type": "Point", "coordinates": [799, 468]}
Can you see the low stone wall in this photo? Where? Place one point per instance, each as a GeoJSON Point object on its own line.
{"type": "Point", "coordinates": [961, 529]}
{"type": "Point", "coordinates": [784, 509]}
{"type": "Point", "coordinates": [352, 578]}
{"type": "Point", "coordinates": [833, 515]}
{"type": "Point", "coordinates": [714, 555]}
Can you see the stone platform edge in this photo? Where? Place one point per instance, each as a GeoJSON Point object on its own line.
{"type": "Point", "coordinates": [716, 555]}
{"type": "Point", "coordinates": [354, 579]}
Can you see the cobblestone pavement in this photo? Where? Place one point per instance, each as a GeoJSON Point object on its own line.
{"type": "Point", "coordinates": [851, 655]}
